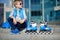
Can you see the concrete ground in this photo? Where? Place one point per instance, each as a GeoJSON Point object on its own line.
{"type": "Point", "coordinates": [5, 35]}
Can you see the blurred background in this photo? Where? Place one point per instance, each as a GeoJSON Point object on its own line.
{"type": "Point", "coordinates": [36, 10]}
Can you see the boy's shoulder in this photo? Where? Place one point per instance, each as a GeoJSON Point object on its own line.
{"type": "Point", "coordinates": [13, 9]}
{"type": "Point", "coordinates": [23, 8]}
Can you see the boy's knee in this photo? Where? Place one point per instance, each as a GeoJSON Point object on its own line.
{"type": "Point", "coordinates": [10, 19]}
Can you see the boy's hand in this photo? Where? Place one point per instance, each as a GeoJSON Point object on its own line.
{"type": "Point", "coordinates": [12, 17]}
{"type": "Point", "coordinates": [14, 21]}
{"type": "Point", "coordinates": [22, 21]}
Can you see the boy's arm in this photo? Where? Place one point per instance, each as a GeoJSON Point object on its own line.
{"type": "Point", "coordinates": [11, 16]}
{"type": "Point", "coordinates": [25, 17]}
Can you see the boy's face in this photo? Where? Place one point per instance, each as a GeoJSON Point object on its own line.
{"type": "Point", "coordinates": [19, 5]}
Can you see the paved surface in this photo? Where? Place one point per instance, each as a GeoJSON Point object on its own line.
{"type": "Point", "coordinates": [5, 35]}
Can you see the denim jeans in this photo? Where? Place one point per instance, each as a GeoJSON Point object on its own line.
{"type": "Point", "coordinates": [18, 26]}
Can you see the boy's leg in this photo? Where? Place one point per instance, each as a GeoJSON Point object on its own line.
{"type": "Point", "coordinates": [13, 26]}
{"type": "Point", "coordinates": [21, 26]}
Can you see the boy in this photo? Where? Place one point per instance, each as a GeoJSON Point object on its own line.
{"type": "Point", "coordinates": [17, 18]}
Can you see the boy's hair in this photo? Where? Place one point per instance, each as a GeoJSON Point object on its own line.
{"type": "Point", "coordinates": [16, 1]}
